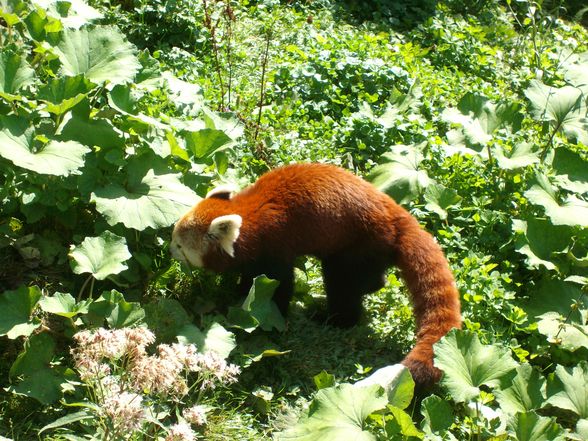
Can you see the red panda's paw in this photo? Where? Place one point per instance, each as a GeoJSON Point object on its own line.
{"type": "Point", "coordinates": [424, 374]}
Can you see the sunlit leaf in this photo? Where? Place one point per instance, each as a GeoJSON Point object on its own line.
{"type": "Point", "coordinates": [573, 211]}
{"type": "Point", "coordinates": [17, 307]}
{"type": "Point", "coordinates": [338, 414]}
{"type": "Point", "coordinates": [571, 169]}
{"type": "Point", "coordinates": [100, 53]}
{"type": "Point", "coordinates": [149, 199]}
{"type": "Point", "coordinates": [63, 304]}
{"type": "Point", "coordinates": [61, 94]}
{"type": "Point", "coordinates": [15, 74]}
{"type": "Point", "coordinates": [439, 198]}
{"type": "Point", "coordinates": [396, 381]}
{"type": "Point", "coordinates": [554, 295]}
{"type": "Point", "coordinates": [528, 426]}
{"type": "Point", "coordinates": [400, 175]}
{"type": "Point", "coordinates": [467, 364]}
{"type": "Point", "coordinates": [569, 334]}
{"type": "Point", "coordinates": [215, 338]}
{"type": "Point", "coordinates": [100, 256]}
{"type": "Point", "coordinates": [521, 155]}
{"type": "Point", "coordinates": [78, 13]}
{"type": "Point", "coordinates": [17, 144]}
{"type": "Point", "coordinates": [568, 389]}
{"type": "Point", "coordinates": [540, 241]}
{"type": "Point", "coordinates": [563, 107]}
{"type": "Point", "coordinates": [259, 309]}
{"type": "Point", "coordinates": [527, 391]}
{"type": "Point", "coordinates": [437, 413]}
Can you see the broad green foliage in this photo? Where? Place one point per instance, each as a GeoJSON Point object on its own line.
{"type": "Point", "coordinates": [472, 114]}
{"type": "Point", "coordinates": [258, 309]}
{"type": "Point", "coordinates": [339, 413]}
{"type": "Point", "coordinates": [467, 365]}
{"type": "Point", "coordinates": [100, 54]}
{"type": "Point", "coordinates": [100, 256]}
{"type": "Point", "coordinates": [564, 108]}
{"type": "Point", "coordinates": [400, 175]}
{"type": "Point", "coordinates": [17, 308]}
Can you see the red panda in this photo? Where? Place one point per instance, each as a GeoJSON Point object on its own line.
{"type": "Point", "coordinates": [354, 229]}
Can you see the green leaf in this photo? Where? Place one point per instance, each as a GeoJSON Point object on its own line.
{"type": "Point", "coordinates": [166, 318]}
{"type": "Point", "coordinates": [467, 364]}
{"type": "Point", "coordinates": [338, 414]}
{"type": "Point", "coordinates": [563, 108]}
{"type": "Point", "coordinates": [553, 295]}
{"type": "Point", "coordinates": [112, 307]}
{"type": "Point", "coordinates": [571, 169]}
{"type": "Point", "coordinates": [575, 70]}
{"type": "Point", "coordinates": [101, 256]}
{"type": "Point", "coordinates": [63, 305]}
{"type": "Point", "coordinates": [101, 54]}
{"type": "Point", "coordinates": [205, 142]}
{"type": "Point", "coordinates": [68, 419]}
{"type": "Point", "coordinates": [480, 118]}
{"type": "Point", "coordinates": [396, 381]}
{"type": "Point", "coordinates": [78, 14]}
{"type": "Point", "coordinates": [62, 94]}
{"type": "Point", "coordinates": [149, 199]}
{"type": "Point", "coordinates": [15, 74]}
{"type": "Point", "coordinates": [439, 198]}
{"type": "Point", "coordinates": [541, 242]}
{"type": "Point", "coordinates": [17, 307]}
{"type": "Point", "coordinates": [17, 144]}
{"type": "Point", "coordinates": [400, 176]}
{"type": "Point", "coordinates": [437, 413]}
{"type": "Point", "coordinates": [573, 211]}
{"type": "Point", "coordinates": [568, 389]}
{"type": "Point", "coordinates": [260, 307]}
{"type": "Point", "coordinates": [402, 424]}
{"type": "Point", "coordinates": [124, 99]}
{"type": "Point", "coordinates": [91, 131]}
{"type": "Point", "coordinates": [215, 338]}
{"type": "Point", "coordinates": [528, 426]}
{"type": "Point", "coordinates": [39, 380]}
{"type": "Point", "coordinates": [323, 380]}
{"type": "Point", "coordinates": [527, 391]}
{"type": "Point", "coordinates": [570, 335]}
{"type": "Point", "coordinates": [521, 155]}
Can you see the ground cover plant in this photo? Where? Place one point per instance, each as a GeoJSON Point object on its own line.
{"type": "Point", "coordinates": [115, 116]}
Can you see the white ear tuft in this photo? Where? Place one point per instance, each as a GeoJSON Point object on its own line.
{"type": "Point", "coordinates": [226, 230]}
{"type": "Point", "coordinates": [223, 191]}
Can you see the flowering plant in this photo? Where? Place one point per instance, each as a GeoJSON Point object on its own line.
{"type": "Point", "coordinates": [133, 392]}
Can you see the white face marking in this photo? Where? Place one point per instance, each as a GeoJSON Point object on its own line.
{"type": "Point", "coordinates": [184, 252]}
{"type": "Point", "coordinates": [226, 230]}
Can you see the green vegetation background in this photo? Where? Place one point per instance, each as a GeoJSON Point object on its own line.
{"type": "Point", "coordinates": [472, 114]}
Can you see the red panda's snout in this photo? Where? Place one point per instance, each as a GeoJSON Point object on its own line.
{"type": "Point", "coordinates": [192, 244]}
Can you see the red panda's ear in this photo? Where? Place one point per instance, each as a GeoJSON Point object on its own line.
{"type": "Point", "coordinates": [224, 191]}
{"type": "Point", "coordinates": [225, 229]}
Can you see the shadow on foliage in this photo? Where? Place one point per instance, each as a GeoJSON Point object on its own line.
{"type": "Point", "coordinates": [395, 14]}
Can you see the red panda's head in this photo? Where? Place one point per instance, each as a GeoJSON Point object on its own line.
{"type": "Point", "coordinates": [206, 235]}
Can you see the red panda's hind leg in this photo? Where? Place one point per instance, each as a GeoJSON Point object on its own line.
{"type": "Point", "coordinates": [346, 280]}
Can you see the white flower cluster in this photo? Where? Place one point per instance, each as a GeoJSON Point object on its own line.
{"type": "Point", "coordinates": [115, 363]}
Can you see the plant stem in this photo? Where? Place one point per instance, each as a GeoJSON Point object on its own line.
{"type": "Point", "coordinates": [264, 64]}
{"type": "Point", "coordinates": [84, 287]}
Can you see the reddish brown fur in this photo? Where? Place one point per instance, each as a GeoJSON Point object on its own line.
{"type": "Point", "coordinates": [356, 230]}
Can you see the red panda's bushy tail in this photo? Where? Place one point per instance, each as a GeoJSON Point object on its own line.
{"type": "Point", "coordinates": [434, 295]}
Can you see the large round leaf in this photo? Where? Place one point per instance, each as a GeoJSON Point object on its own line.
{"type": "Point", "coordinates": [338, 414]}
{"type": "Point", "coordinates": [467, 364]}
{"type": "Point", "coordinates": [101, 54]}
{"type": "Point", "coordinates": [400, 176]}
{"type": "Point", "coordinates": [149, 199]}
{"type": "Point", "coordinates": [17, 144]}
{"type": "Point", "coordinates": [101, 256]}
{"type": "Point", "coordinates": [15, 74]}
